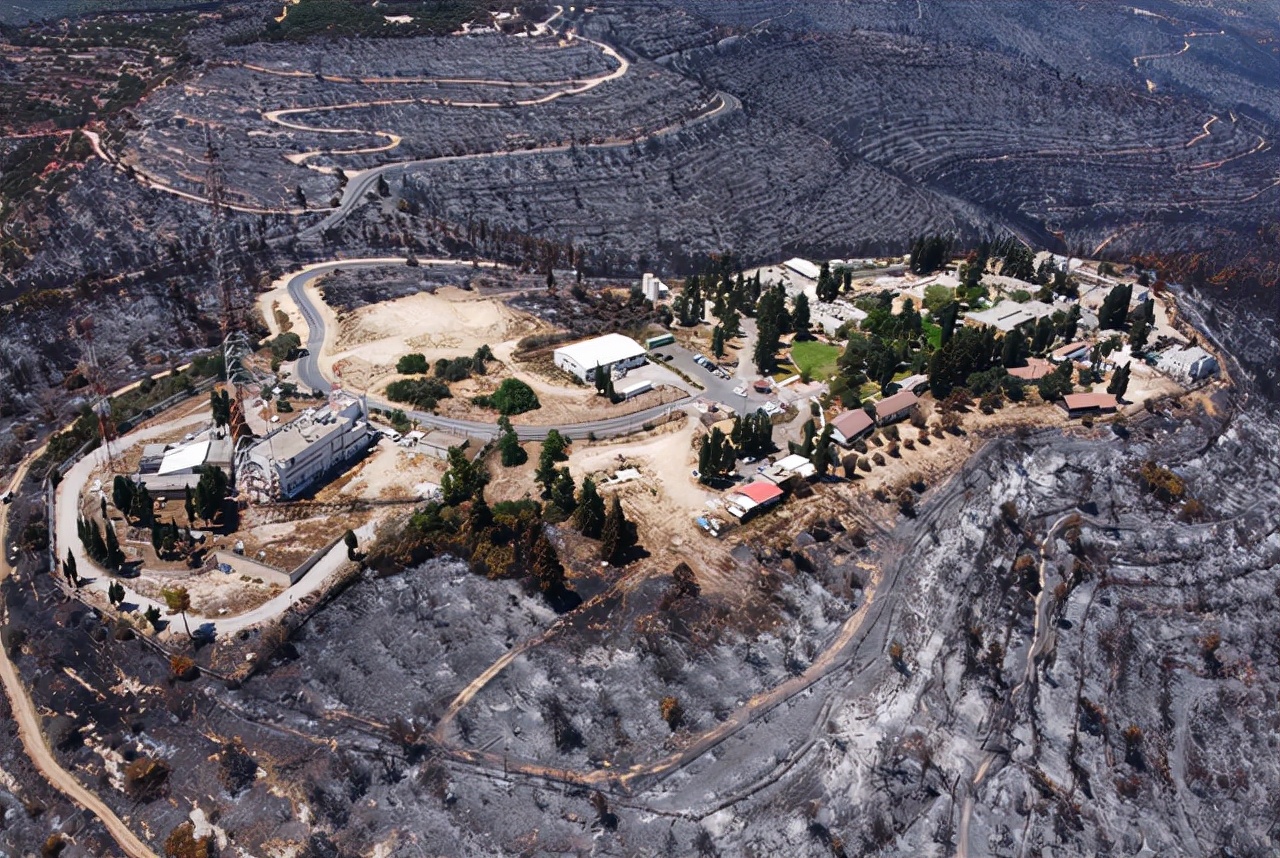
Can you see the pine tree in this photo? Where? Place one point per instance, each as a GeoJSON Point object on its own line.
{"type": "Point", "coordinates": [1013, 349]}
{"type": "Point", "coordinates": [553, 447]}
{"type": "Point", "coordinates": [189, 503]}
{"type": "Point", "coordinates": [143, 506]}
{"type": "Point", "coordinates": [589, 516]}
{"type": "Point", "coordinates": [463, 480]}
{"type": "Point", "coordinates": [1043, 336]}
{"type": "Point", "coordinates": [947, 320]}
{"type": "Point", "coordinates": [828, 286]}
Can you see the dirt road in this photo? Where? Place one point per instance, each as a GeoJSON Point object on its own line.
{"type": "Point", "coordinates": [28, 722]}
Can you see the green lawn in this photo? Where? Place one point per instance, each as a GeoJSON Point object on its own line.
{"type": "Point", "coordinates": [817, 360]}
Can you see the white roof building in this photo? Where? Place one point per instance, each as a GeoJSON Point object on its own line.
{"type": "Point", "coordinates": [1192, 363]}
{"type": "Point", "coordinates": [832, 316]}
{"type": "Point", "coordinates": [298, 454]}
{"type": "Point", "coordinates": [611, 350]}
{"type": "Point", "coordinates": [803, 267]}
{"type": "Point", "coordinates": [1008, 315]}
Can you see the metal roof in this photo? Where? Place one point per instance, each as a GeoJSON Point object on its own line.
{"type": "Point", "coordinates": [184, 458]}
{"type": "Point", "coordinates": [602, 351]}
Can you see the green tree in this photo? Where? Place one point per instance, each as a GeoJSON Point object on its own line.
{"type": "Point", "coordinates": [69, 569]}
{"type": "Point", "coordinates": [220, 404]}
{"type": "Point", "coordinates": [553, 451]}
{"type": "Point", "coordinates": [512, 454]}
{"type": "Point", "coordinates": [189, 504]}
{"type": "Point", "coordinates": [412, 364]}
{"type": "Point", "coordinates": [115, 593]}
{"type": "Point", "coordinates": [590, 514]}
{"type": "Point", "coordinates": [800, 314]}
{"type": "Point", "coordinates": [603, 377]}
{"type": "Point", "coordinates": [828, 286]}
{"type": "Point", "coordinates": [1115, 308]}
{"type": "Point", "coordinates": [717, 341]}
{"type": "Point", "coordinates": [115, 557]}
{"type": "Point", "coordinates": [513, 396]}
{"type": "Point", "coordinates": [464, 480]}
{"type": "Point", "coordinates": [152, 616]}
{"type": "Point", "coordinates": [545, 565]}
{"type": "Point", "coordinates": [143, 506]}
{"type": "Point", "coordinates": [350, 540]}
{"type": "Point", "coordinates": [947, 317]}
{"type": "Point", "coordinates": [211, 492]}
{"type": "Point", "coordinates": [1043, 337]}
{"type": "Point", "coordinates": [178, 601]}
{"type": "Point", "coordinates": [1138, 334]}
{"type": "Point", "coordinates": [1119, 382]}
{"type": "Point", "coordinates": [1013, 349]}
{"type": "Point", "coordinates": [122, 491]}
{"type": "Point", "coordinates": [562, 491]}
{"type": "Point", "coordinates": [617, 536]}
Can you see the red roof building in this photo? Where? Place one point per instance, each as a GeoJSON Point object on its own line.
{"type": "Point", "coordinates": [1036, 369]}
{"type": "Point", "coordinates": [1078, 404]}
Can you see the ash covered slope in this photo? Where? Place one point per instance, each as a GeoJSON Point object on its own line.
{"type": "Point", "coordinates": [1095, 126]}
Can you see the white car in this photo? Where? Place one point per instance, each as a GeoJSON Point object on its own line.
{"type": "Point", "coordinates": [772, 408]}
{"type": "Point", "coordinates": [740, 390]}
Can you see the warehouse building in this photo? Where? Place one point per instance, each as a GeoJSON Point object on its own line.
{"type": "Point", "coordinates": [611, 351]}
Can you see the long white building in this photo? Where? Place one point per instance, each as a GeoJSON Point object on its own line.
{"type": "Point", "coordinates": [611, 351]}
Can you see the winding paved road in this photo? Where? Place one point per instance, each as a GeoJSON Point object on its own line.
{"type": "Point", "coordinates": [308, 367]}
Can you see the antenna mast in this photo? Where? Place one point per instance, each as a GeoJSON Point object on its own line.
{"type": "Point", "coordinates": [237, 344]}
{"type": "Point", "coordinates": [82, 331]}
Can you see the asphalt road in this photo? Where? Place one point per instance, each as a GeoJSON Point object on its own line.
{"type": "Point", "coordinates": [308, 371]}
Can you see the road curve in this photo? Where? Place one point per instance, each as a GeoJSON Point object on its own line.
{"type": "Point", "coordinates": [308, 371]}
{"type": "Point", "coordinates": [28, 723]}
{"type": "Point", "coordinates": [354, 193]}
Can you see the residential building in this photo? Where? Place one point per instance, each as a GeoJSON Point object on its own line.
{"type": "Point", "coordinates": [788, 468]}
{"type": "Point", "coordinates": [1036, 369]}
{"type": "Point", "coordinates": [850, 426]}
{"type": "Point", "coordinates": [751, 498]}
{"type": "Point", "coordinates": [913, 383]}
{"type": "Point", "coordinates": [891, 409]}
{"type": "Point", "coordinates": [611, 351]}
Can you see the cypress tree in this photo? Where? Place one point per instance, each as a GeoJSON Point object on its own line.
{"type": "Point", "coordinates": [589, 516]}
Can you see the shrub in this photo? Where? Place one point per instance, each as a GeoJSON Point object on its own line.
{"type": "Point", "coordinates": [513, 396]}
{"type": "Point", "coordinates": [672, 712]}
{"type": "Point", "coordinates": [422, 393]}
{"type": "Point", "coordinates": [412, 364]}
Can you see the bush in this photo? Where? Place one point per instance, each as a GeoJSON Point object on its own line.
{"type": "Point", "coordinates": [513, 396]}
{"type": "Point", "coordinates": [422, 393]}
{"type": "Point", "coordinates": [412, 364]}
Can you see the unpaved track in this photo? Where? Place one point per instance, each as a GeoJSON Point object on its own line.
{"type": "Point", "coordinates": [28, 722]}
